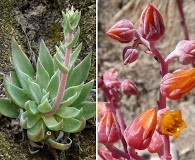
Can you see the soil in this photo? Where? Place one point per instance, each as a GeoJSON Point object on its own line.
{"type": "Point", "coordinates": [145, 71]}
{"type": "Point", "coordinates": [29, 21]}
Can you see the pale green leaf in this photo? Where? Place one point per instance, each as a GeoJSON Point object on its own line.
{"type": "Point", "coordinates": [17, 95]}
{"type": "Point", "coordinates": [52, 123]}
{"type": "Point", "coordinates": [8, 108]}
{"type": "Point", "coordinates": [46, 59]}
{"type": "Point", "coordinates": [75, 54]}
{"type": "Point", "coordinates": [35, 91]}
{"type": "Point", "coordinates": [44, 107]}
{"type": "Point", "coordinates": [72, 90]}
{"type": "Point", "coordinates": [84, 93]}
{"type": "Point", "coordinates": [80, 72]}
{"type": "Point", "coordinates": [31, 107]}
{"type": "Point", "coordinates": [37, 132]}
{"type": "Point", "coordinates": [53, 84]}
{"type": "Point", "coordinates": [89, 109]}
{"type": "Point", "coordinates": [20, 59]}
{"type": "Point", "coordinates": [69, 112]}
{"type": "Point", "coordinates": [28, 120]}
{"type": "Point", "coordinates": [42, 77]}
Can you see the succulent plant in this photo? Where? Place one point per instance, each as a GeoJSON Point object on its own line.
{"type": "Point", "coordinates": [52, 97]}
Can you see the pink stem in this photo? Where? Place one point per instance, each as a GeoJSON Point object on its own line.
{"type": "Point", "coordinates": [162, 99]}
{"type": "Point", "coordinates": [116, 110]}
{"type": "Point", "coordinates": [63, 79]}
{"type": "Point", "coordinates": [182, 19]}
{"type": "Point", "coordinates": [116, 152]}
{"type": "Point", "coordinates": [134, 155]}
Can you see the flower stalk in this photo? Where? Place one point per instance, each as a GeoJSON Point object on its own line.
{"type": "Point", "coordinates": [63, 78]}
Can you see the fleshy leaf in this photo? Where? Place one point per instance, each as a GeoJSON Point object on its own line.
{"type": "Point", "coordinates": [44, 107]}
{"type": "Point", "coordinates": [28, 120]}
{"type": "Point", "coordinates": [20, 59]}
{"type": "Point", "coordinates": [17, 95]}
{"type": "Point", "coordinates": [35, 91]}
{"type": "Point", "coordinates": [75, 39]}
{"type": "Point", "coordinates": [46, 96]}
{"type": "Point", "coordinates": [60, 65]}
{"type": "Point", "coordinates": [69, 101]}
{"type": "Point", "coordinates": [60, 146]}
{"type": "Point", "coordinates": [37, 132]}
{"type": "Point", "coordinates": [52, 123]}
{"type": "Point", "coordinates": [42, 77]}
{"type": "Point", "coordinates": [53, 84]}
{"type": "Point", "coordinates": [80, 72]}
{"type": "Point", "coordinates": [71, 91]}
{"type": "Point", "coordinates": [59, 54]}
{"type": "Point", "coordinates": [84, 93]}
{"type": "Point", "coordinates": [31, 107]}
{"type": "Point", "coordinates": [89, 109]}
{"type": "Point", "coordinates": [72, 125]}
{"type": "Point", "coordinates": [14, 79]}
{"type": "Point", "coordinates": [8, 108]}
{"type": "Point", "coordinates": [23, 79]}
{"type": "Point", "coordinates": [75, 54]}
{"type": "Point", "coordinates": [69, 112]}
{"type": "Point", "coordinates": [46, 59]}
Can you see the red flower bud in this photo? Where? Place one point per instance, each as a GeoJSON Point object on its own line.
{"type": "Point", "coordinates": [156, 144]}
{"type": "Point", "coordinates": [184, 52]}
{"type": "Point", "coordinates": [112, 84]}
{"type": "Point", "coordinates": [170, 122]}
{"type": "Point", "coordinates": [103, 108]}
{"type": "Point", "coordinates": [123, 31]}
{"type": "Point", "coordinates": [110, 75]}
{"type": "Point", "coordinates": [108, 129]}
{"type": "Point", "coordinates": [151, 24]}
{"type": "Point", "coordinates": [128, 87]}
{"type": "Point", "coordinates": [139, 133]}
{"type": "Point", "coordinates": [180, 82]}
{"type": "Point", "coordinates": [130, 54]}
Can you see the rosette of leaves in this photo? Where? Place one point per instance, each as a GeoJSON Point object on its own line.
{"type": "Point", "coordinates": [33, 92]}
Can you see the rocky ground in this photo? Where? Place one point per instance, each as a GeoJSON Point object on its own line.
{"type": "Point", "coordinates": [145, 71]}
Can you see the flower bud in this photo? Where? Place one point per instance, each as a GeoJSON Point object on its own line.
{"type": "Point", "coordinates": [128, 87]}
{"type": "Point", "coordinates": [180, 82]}
{"type": "Point", "coordinates": [116, 94]}
{"type": "Point", "coordinates": [170, 122]}
{"type": "Point", "coordinates": [110, 75]}
{"type": "Point", "coordinates": [139, 133]}
{"type": "Point", "coordinates": [151, 24]}
{"type": "Point", "coordinates": [102, 108]}
{"type": "Point", "coordinates": [108, 129]}
{"type": "Point", "coordinates": [123, 31]}
{"type": "Point", "coordinates": [130, 54]}
{"type": "Point", "coordinates": [184, 52]}
{"type": "Point", "coordinates": [156, 144]}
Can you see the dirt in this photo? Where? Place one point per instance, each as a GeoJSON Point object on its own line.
{"type": "Point", "coordinates": [145, 71]}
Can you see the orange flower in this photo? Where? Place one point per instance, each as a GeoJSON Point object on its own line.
{"type": "Point", "coordinates": [180, 82]}
{"type": "Point", "coordinates": [170, 122]}
{"type": "Point", "coordinates": [139, 133]}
